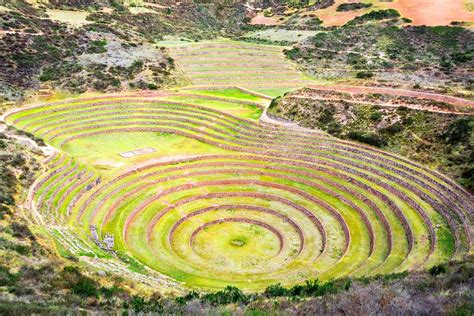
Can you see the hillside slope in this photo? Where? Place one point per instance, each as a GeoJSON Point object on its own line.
{"type": "Point", "coordinates": [438, 134]}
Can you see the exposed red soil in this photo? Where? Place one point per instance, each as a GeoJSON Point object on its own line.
{"type": "Point", "coordinates": [339, 18]}
{"type": "Point", "coordinates": [433, 12]}
{"type": "Point", "coordinates": [421, 12]}
{"type": "Point", "coordinates": [263, 20]}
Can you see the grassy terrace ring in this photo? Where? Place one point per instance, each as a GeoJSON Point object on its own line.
{"type": "Point", "coordinates": [225, 62]}
{"type": "Point", "coordinates": [225, 199]}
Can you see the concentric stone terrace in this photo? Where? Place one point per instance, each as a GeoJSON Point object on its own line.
{"type": "Point", "coordinates": [225, 62]}
{"type": "Point", "coordinates": [226, 199]}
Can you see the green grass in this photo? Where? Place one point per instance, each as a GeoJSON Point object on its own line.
{"type": "Point", "coordinates": [102, 151]}
{"type": "Point", "coordinates": [232, 252]}
{"type": "Point", "coordinates": [234, 94]}
{"type": "Point", "coordinates": [239, 110]}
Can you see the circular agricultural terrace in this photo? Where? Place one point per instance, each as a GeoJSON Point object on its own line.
{"type": "Point", "coordinates": [268, 204]}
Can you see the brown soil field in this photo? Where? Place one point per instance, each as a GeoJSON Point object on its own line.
{"type": "Point", "coordinates": [260, 19]}
{"type": "Point", "coordinates": [433, 12]}
{"type": "Point", "coordinates": [421, 12]}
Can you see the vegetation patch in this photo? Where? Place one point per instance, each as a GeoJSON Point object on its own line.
{"type": "Point", "coordinates": [353, 6]}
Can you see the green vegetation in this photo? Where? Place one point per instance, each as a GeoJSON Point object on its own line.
{"type": "Point", "coordinates": [376, 16]}
{"type": "Point", "coordinates": [353, 6]}
{"type": "Point", "coordinates": [388, 52]}
{"type": "Point", "coordinates": [345, 295]}
{"type": "Point", "coordinates": [225, 176]}
{"type": "Point", "coordinates": [98, 46]}
{"type": "Point", "coordinates": [441, 140]}
{"type": "Point", "coordinates": [370, 138]}
{"type": "Point", "coordinates": [188, 190]}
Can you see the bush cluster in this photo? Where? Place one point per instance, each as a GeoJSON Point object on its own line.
{"type": "Point", "coordinates": [311, 288]}
{"type": "Point", "coordinates": [376, 15]}
{"type": "Point", "coordinates": [367, 138]}
{"type": "Point", "coordinates": [353, 6]}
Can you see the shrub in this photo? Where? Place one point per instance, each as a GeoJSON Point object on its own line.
{"type": "Point", "coordinates": [192, 295]}
{"type": "Point", "coordinates": [268, 12]}
{"type": "Point", "coordinates": [85, 287]}
{"type": "Point", "coordinates": [274, 103]}
{"type": "Point", "coordinates": [353, 6]}
{"type": "Point", "coordinates": [140, 305]}
{"type": "Point", "coordinates": [152, 86]}
{"type": "Point", "coordinates": [375, 16]}
{"type": "Point", "coordinates": [6, 278]}
{"type": "Point", "coordinates": [364, 75]}
{"type": "Point", "coordinates": [275, 290]}
{"type": "Point", "coordinates": [59, 70]}
{"type": "Point", "coordinates": [21, 231]}
{"type": "Point", "coordinates": [136, 66]}
{"type": "Point", "coordinates": [467, 178]}
{"type": "Point", "coordinates": [230, 294]}
{"type": "Point", "coordinates": [375, 116]}
{"type": "Point", "coordinates": [438, 269]}
{"type": "Point", "coordinates": [369, 138]}
{"type": "Point", "coordinates": [6, 198]}
{"type": "Point", "coordinates": [356, 60]}
{"type": "Point", "coordinates": [393, 129]}
{"type": "Point", "coordinates": [316, 288]}
{"type": "Point", "coordinates": [109, 292]}
{"type": "Point", "coordinates": [462, 57]}
{"type": "Point", "coordinates": [296, 290]}
{"type": "Point", "coordinates": [460, 130]}
{"type": "Point", "coordinates": [293, 53]}
{"type": "Point", "coordinates": [118, 6]}
{"type": "Point", "coordinates": [98, 46]}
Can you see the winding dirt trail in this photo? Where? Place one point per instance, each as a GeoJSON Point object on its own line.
{"type": "Point", "coordinates": [387, 105]}
{"type": "Point", "coordinates": [460, 102]}
{"type": "Point", "coordinates": [3, 33]}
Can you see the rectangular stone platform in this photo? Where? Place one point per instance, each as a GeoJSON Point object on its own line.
{"type": "Point", "coordinates": [137, 152]}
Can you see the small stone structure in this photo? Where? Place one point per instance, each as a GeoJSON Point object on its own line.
{"type": "Point", "coordinates": [137, 152]}
{"type": "Point", "coordinates": [107, 243]}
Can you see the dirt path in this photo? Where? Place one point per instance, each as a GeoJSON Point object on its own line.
{"type": "Point", "coordinates": [388, 105]}
{"type": "Point", "coordinates": [400, 92]}
{"type": "Point", "coordinates": [3, 33]}
{"type": "Point", "coordinates": [46, 150]}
